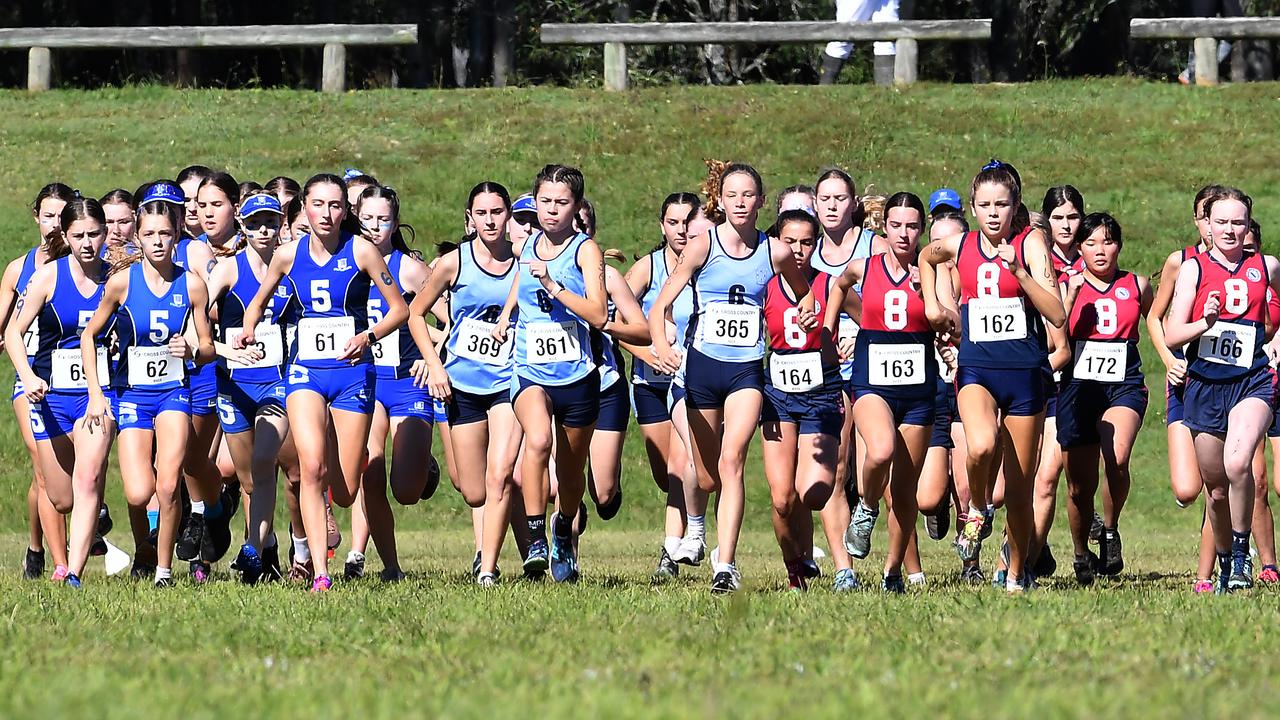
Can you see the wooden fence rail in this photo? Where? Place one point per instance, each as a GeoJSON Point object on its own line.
{"type": "Point", "coordinates": [1205, 32]}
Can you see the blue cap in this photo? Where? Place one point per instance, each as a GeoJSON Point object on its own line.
{"type": "Point", "coordinates": [524, 203]}
{"type": "Point", "coordinates": [945, 197]}
{"type": "Point", "coordinates": [164, 192]}
{"type": "Point", "coordinates": [351, 173]}
{"type": "Point", "coordinates": [261, 202]}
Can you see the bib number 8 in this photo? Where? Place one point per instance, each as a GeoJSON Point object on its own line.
{"type": "Point", "coordinates": [895, 309]}
{"type": "Point", "coordinates": [792, 333]}
{"type": "Point", "coordinates": [1237, 300]}
{"type": "Point", "coordinates": [1106, 309]}
{"type": "Point", "coordinates": [988, 280]}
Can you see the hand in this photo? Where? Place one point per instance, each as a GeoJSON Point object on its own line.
{"type": "Point", "coordinates": [1273, 353]}
{"type": "Point", "coordinates": [845, 347]}
{"type": "Point", "coordinates": [1075, 281]}
{"type": "Point", "coordinates": [1007, 256]}
{"type": "Point", "coordinates": [97, 411]}
{"type": "Point", "coordinates": [180, 348]}
{"type": "Point", "coordinates": [243, 340]}
{"type": "Point", "coordinates": [807, 320]}
{"type": "Point", "coordinates": [666, 362]}
{"type": "Point", "coordinates": [1177, 372]}
{"type": "Point", "coordinates": [245, 356]}
{"type": "Point", "coordinates": [355, 348]}
{"type": "Point", "coordinates": [949, 355]}
{"type": "Point", "coordinates": [914, 274]}
{"type": "Point", "coordinates": [1211, 307]}
{"type": "Point", "coordinates": [437, 382]}
{"type": "Point", "coordinates": [500, 329]}
{"type": "Point", "coordinates": [939, 318]}
{"type": "Point", "coordinates": [538, 269]}
{"type": "Point", "coordinates": [671, 332]}
{"type": "Point", "coordinates": [34, 389]}
{"type": "Point", "coordinates": [953, 317]}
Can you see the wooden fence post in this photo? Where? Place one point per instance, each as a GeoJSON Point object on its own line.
{"type": "Point", "coordinates": [615, 66]}
{"type": "Point", "coordinates": [334, 72]}
{"type": "Point", "coordinates": [1206, 61]}
{"type": "Point", "coordinates": [906, 64]}
{"type": "Point", "coordinates": [39, 69]}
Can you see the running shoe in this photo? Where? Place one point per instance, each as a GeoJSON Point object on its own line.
{"type": "Point", "coordinates": [98, 547]}
{"type": "Point", "coordinates": [535, 563]}
{"type": "Point", "coordinates": [59, 573]}
{"type": "Point", "coordinates": [322, 583]}
{"type": "Point", "coordinates": [1095, 529]}
{"type": "Point", "coordinates": [1000, 579]}
{"type": "Point", "coordinates": [33, 564]}
{"type": "Point", "coordinates": [988, 522]}
{"type": "Point", "coordinates": [1086, 567]}
{"type": "Point", "coordinates": [200, 572]}
{"type": "Point", "coordinates": [353, 568]}
{"type": "Point", "coordinates": [141, 570]}
{"type": "Point", "coordinates": [667, 569]}
{"type": "Point", "coordinates": [938, 522]}
{"type": "Point", "coordinates": [726, 582]}
{"type": "Point", "coordinates": [271, 564]}
{"type": "Point", "coordinates": [893, 585]}
{"type": "Point", "coordinates": [1270, 575]}
{"type": "Point", "coordinates": [192, 538]}
{"type": "Point", "coordinates": [796, 581]}
{"type": "Point", "coordinates": [301, 571]}
{"type": "Point", "coordinates": [391, 575]}
{"type": "Point", "coordinates": [217, 531]}
{"type": "Point", "coordinates": [972, 574]}
{"type": "Point", "coordinates": [1203, 586]}
{"type": "Point", "coordinates": [72, 581]}
{"type": "Point", "coordinates": [857, 537]}
{"type": "Point", "coordinates": [486, 580]}
{"type": "Point", "coordinates": [969, 542]}
{"type": "Point", "coordinates": [810, 568]}
{"type": "Point", "coordinates": [564, 560]}
{"type": "Point", "coordinates": [845, 581]}
{"type": "Point", "coordinates": [164, 582]}
{"type": "Point", "coordinates": [249, 564]}
{"type": "Point", "coordinates": [333, 536]}
{"type": "Point", "coordinates": [1110, 553]}
{"type": "Point", "coordinates": [433, 478]}
{"type": "Point", "coordinates": [475, 566]}
{"type": "Point", "coordinates": [1241, 573]}
{"type": "Point", "coordinates": [1046, 564]}
{"type": "Point", "coordinates": [691, 551]}
{"type": "Point", "coordinates": [105, 523]}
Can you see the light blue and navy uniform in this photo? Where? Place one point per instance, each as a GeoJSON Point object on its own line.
{"type": "Point", "coordinates": [682, 317]}
{"type": "Point", "coordinates": [479, 367]}
{"type": "Point", "coordinates": [31, 337]}
{"type": "Point", "coordinates": [893, 357]}
{"type": "Point", "coordinates": [333, 298]}
{"type": "Point", "coordinates": [615, 400]}
{"type": "Point", "coordinates": [847, 327]}
{"type": "Point", "coordinates": [148, 380]}
{"type": "Point", "coordinates": [244, 390]}
{"type": "Point", "coordinates": [57, 360]}
{"type": "Point", "coordinates": [201, 379]}
{"type": "Point", "coordinates": [649, 388]}
{"type": "Point", "coordinates": [553, 345]}
{"type": "Point", "coordinates": [727, 326]}
{"type": "Point", "coordinates": [393, 358]}
{"type": "Point", "coordinates": [1002, 340]}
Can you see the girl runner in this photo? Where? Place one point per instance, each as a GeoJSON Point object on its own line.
{"type": "Point", "coordinates": [117, 206]}
{"type": "Point", "coordinates": [151, 301]}
{"type": "Point", "coordinates": [62, 296]}
{"type": "Point", "coordinates": [330, 381]}
{"type": "Point", "coordinates": [1103, 396]}
{"type": "Point", "coordinates": [730, 267]}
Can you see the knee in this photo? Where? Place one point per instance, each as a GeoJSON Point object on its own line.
{"type": "Point", "coordinates": [879, 453]}
{"type": "Point", "coordinates": [167, 491]}
{"type": "Point", "coordinates": [1237, 468]}
{"type": "Point", "coordinates": [1216, 493]}
{"type": "Point", "coordinates": [404, 492]}
{"type": "Point", "coordinates": [981, 446]}
{"type": "Point", "coordinates": [61, 500]}
{"type": "Point", "coordinates": [815, 496]}
{"type": "Point", "coordinates": [731, 463]}
{"type": "Point", "coordinates": [137, 497]}
{"type": "Point", "coordinates": [538, 443]}
{"type": "Point", "coordinates": [784, 502]}
{"type": "Point", "coordinates": [311, 472]}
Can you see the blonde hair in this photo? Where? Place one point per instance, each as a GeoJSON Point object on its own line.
{"type": "Point", "coordinates": [711, 189]}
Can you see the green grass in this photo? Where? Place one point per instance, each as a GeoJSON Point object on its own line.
{"type": "Point", "coordinates": [613, 646]}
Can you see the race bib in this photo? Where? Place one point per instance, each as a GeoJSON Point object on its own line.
{"type": "Point", "coordinates": [324, 338]}
{"type": "Point", "coordinates": [848, 329]}
{"type": "Point", "coordinates": [153, 366]}
{"type": "Point", "coordinates": [646, 373]}
{"type": "Point", "coordinates": [996, 319]}
{"type": "Point", "coordinates": [1228, 343]}
{"type": "Point", "coordinates": [31, 339]}
{"type": "Point", "coordinates": [476, 343]}
{"type": "Point", "coordinates": [267, 339]}
{"type": "Point", "coordinates": [386, 352]}
{"type": "Point", "coordinates": [799, 372]}
{"type": "Point", "coordinates": [1101, 361]}
{"type": "Point", "coordinates": [68, 369]}
{"type": "Point", "coordinates": [732, 325]}
{"type": "Point", "coordinates": [895, 364]}
{"type": "Point", "coordinates": [551, 342]}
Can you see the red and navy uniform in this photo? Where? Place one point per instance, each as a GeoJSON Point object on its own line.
{"type": "Point", "coordinates": [1011, 370]}
{"type": "Point", "coordinates": [1105, 369]}
{"type": "Point", "coordinates": [800, 359]}
{"type": "Point", "coordinates": [1173, 409]}
{"type": "Point", "coordinates": [1226, 364]}
{"type": "Point", "coordinates": [893, 356]}
{"type": "Point", "coordinates": [1062, 267]}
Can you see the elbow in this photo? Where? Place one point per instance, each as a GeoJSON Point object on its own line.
{"type": "Point", "coordinates": [597, 321]}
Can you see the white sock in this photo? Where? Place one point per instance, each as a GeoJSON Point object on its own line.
{"type": "Point", "coordinates": [671, 544]}
{"type": "Point", "coordinates": [354, 556]}
{"type": "Point", "coordinates": [197, 506]}
{"type": "Point", "coordinates": [724, 567]}
{"type": "Point", "coordinates": [975, 511]}
{"type": "Point", "coordinates": [697, 526]}
{"type": "Point", "coordinates": [164, 573]}
{"type": "Point", "coordinates": [916, 578]}
{"type": "Point", "coordinates": [301, 551]}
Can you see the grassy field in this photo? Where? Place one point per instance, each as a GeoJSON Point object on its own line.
{"type": "Point", "coordinates": [614, 646]}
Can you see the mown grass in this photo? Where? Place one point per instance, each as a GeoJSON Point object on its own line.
{"type": "Point", "coordinates": [613, 646]}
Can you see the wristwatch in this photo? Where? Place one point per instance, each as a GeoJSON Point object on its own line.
{"type": "Point", "coordinates": [373, 339]}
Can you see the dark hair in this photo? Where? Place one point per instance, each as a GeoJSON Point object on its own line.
{"type": "Point", "coordinates": [1060, 195]}
{"type": "Point", "coordinates": [570, 176]}
{"type": "Point", "coordinates": [193, 172]}
{"type": "Point", "coordinates": [388, 194]}
{"type": "Point", "coordinates": [350, 225]}
{"type": "Point", "coordinates": [55, 190]}
{"type": "Point", "coordinates": [225, 183]}
{"type": "Point", "coordinates": [249, 186]}
{"type": "Point", "coordinates": [293, 209]}
{"type": "Point", "coordinates": [1256, 229]}
{"type": "Point", "coordinates": [444, 247]}
{"type": "Point", "coordinates": [998, 173]}
{"type": "Point", "coordinates": [802, 189]}
{"type": "Point", "coordinates": [675, 198]}
{"type": "Point", "coordinates": [907, 200]}
{"type": "Point", "coordinates": [488, 186]}
{"type": "Point", "coordinates": [80, 208]}
{"type": "Point", "coordinates": [586, 225]}
{"type": "Point", "coordinates": [1092, 222]}
{"type": "Point", "coordinates": [362, 179]}
{"type": "Point", "coordinates": [790, 216]}
{"type": "Point", "coordinates": [737, 168]}
{"type": "Point", "coordinates": [1230, 193]}
{"type": "Point", "coordinates": [861, 207]}
{"type": "Point", "coordinates": [117, 196]}
{"type": "Point", "coordinates": [1206, 192]}
{"type": "Point", "coordinates": [174, 213]}
{"type": "Point", "coordinates": [282, 183]}
{"type": "Point", "coordinates": [953, 215]}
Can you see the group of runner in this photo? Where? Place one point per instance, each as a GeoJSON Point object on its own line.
{"type": "Point", "coordinates": [885, 353]}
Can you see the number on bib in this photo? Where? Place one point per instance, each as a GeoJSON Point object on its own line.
{"type": "Point", "coordinates": [386, 352]}
{"type": "Point", "coordinates": [153, 366]}
{"type": "Point", "coordinates": [1228, 343]}
{"type": "Point", "coordinates": [476, 343]}
{"type": "Point", "coordinates": [551, 342]}
{"type": "Point", "coordinates": [1100, 361]}
{"type": "Point", "coordinates": [324, 338]}
{"type": "Point", "coordinates": [889, 365]}
{"type": "Point", "coordinates": [800, 372]}
{"type": "Point", "coordinates": [732, 325]}
{"type": "Point", "coordinates": [31, 339]}
{"type": "Point", "coordinates": [996, 319]}
{"type": "Point", "coordinates": [68, 369]}
{"type": "Point", "coordinates": [267, 340]}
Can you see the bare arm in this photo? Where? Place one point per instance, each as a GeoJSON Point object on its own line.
{"type": "Point", "coordinates": [1160, 307]}
{"type": "Point", "coordinates": [1180, 329]}
{"type": "Point", "coordinates": [666, 358]}
{"type": "Point", "coordinates": [432, 373]}
{"type": "Point", "coordinates": [937, 253]}
{"type": "Point", "coordinates": [371, 262]}
{"type": "Point", "coordinates": [1037, 280]}
{"type": "Point", "coordinates": [39, 291]}
{"type": "Point", "coordinates": [280, 265]}
{"type": "Point", "coordinates": [112, 295]}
